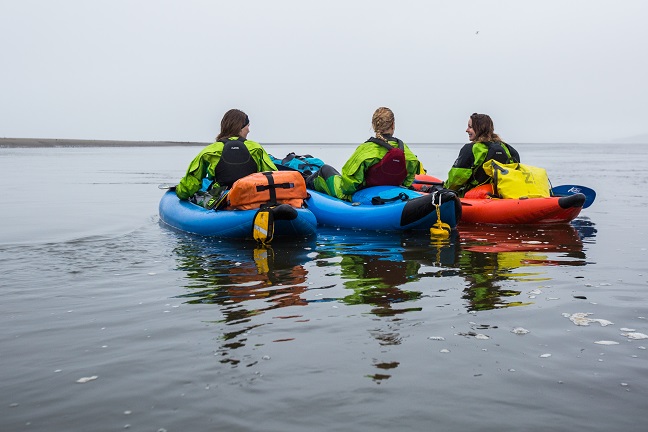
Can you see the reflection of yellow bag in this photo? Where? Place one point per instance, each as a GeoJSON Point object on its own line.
{"type": "Point", "coordinates": [518, 180]}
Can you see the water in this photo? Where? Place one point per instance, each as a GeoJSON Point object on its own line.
{"type": "Point", "coordinates": [361, 332]}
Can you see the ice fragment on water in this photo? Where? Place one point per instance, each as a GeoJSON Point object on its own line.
{"type": "Point", "coordinates": [444, 350]}
{"type": "Point", "coordinates": [545, 355]}
{"type": "Point", "coordinates": [625, 329]}
{"type": "Point", "coordinates": [84, 380]}
{"type": "Point", "coordinates": [581, 319]}
{"type": "Point", "coordinates": [436, 338]}
{"type": "Point", "coordinates": [606, 342]}
{"type": "Point", "coordinates": [520, 331]}
{"type": "Point", "coordinates": [635, 336]}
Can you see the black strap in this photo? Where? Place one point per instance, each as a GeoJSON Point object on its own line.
{"type": "Point", "coordinates": [385, 144]}
{"type": "Point", "coordinates": [272, 187]}
{"type": "Point", "coordinates": [380, 201]}
{"type": "Point", "coordinates": [496, 170]}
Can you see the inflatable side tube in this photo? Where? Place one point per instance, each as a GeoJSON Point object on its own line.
{"type": "Point", "coordinates": [576, 200]}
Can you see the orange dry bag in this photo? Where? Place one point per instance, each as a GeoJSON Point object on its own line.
{"type": "Point", "coordinates": [266, 189]}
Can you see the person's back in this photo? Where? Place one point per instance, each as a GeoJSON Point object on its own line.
{"type": "Point", "coordinates": [381, 160]}
{"type": "Point", "coordinates": [228, 159]}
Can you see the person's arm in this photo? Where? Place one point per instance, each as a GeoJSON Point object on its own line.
{"type": "Point", "coordinates": [461, 170]}
{"type": "Point", "coordinates": [413, 166]}
{"type": "Point", "coordinates": [353, 171]}
{"type": "Point", "coordinates": [514, 154]}
{"type": "Point", "coordinates": [197, 171]}
{"type": "Point", "coordinates": [192, 181]}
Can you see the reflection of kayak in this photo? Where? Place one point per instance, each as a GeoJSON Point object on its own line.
{"type": "Point", "coordinates": [551, 210]}
{"type": "Point", "coordinates": [189, 217]}
{"type": "Point", "coordinates": [551, 238]}
{"type": "Point", "coordinates": [385, 208]}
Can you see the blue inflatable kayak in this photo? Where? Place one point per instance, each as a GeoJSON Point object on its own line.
{"type": "Point", "coordinates": [385, 208]}
{"type": "Point", "coordinates": [189, 217]}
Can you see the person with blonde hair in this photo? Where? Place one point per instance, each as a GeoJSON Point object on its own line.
{"type": "Point", "coordinates": [382, 160]}
{"type": "Point", "coordinates": [467, 172]}
{"type": "Point", "coordinates": [228, 159]}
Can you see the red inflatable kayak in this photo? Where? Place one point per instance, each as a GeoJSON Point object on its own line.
{"type": "Point", "coordinates": [478, 207]}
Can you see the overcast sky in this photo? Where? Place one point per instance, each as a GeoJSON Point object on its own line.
{"type": "Point", "coordinates": [307, 71]}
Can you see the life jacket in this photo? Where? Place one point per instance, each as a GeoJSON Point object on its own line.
{"type": "Point", "coordinates": [496, 151]}
{"type": "Point", "coordinates": [236, 162]}
{"type": "Point", "coordinates": [391, 170]}
{"type": "Point", "coordinates": [266, 189]}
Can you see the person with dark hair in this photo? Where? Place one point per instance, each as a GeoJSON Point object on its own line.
{"type": "Point", "coordinates": [228, 159]}
{"type": "Point", "coordinates": [467, 171]}
{"type": "Point", "coordinates": [383, 160]}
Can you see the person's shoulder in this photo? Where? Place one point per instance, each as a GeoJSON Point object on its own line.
{"type": "Point", "coordinates": [216, 145]}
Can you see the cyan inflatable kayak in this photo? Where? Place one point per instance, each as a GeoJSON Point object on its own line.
{"type": "Point", "coordinates": [385, 208]}
{"type": "Point", "coordinates": [189, 217]}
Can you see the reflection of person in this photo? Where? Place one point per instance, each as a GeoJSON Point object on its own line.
{"type": "Point", "coordinates": [381, 160]}
{"type": "Point", "coordinates": [467, 171]}
{"type": "Point", "coordinates": [230, 158]}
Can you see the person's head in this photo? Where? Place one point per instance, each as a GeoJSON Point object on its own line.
{"type": "Point", "coordinates": [481, 128]}
{"type": "Point", "coordinates": [235, 123]}
{"type": "Point", "coordinates": [383, 122]}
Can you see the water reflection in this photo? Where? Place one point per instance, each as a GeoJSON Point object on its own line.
{"type": "Point", "coordinates": [244, 279]}
{"type": "Point", "coordinates": [381, 272]}
{"type": "Point", "coordinates": [492, 255]}
{"type": "Point", "coordinates": [376, 266]}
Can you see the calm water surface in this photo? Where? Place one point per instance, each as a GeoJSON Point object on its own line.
{"type": "Point", "coordinates": [111, 321]}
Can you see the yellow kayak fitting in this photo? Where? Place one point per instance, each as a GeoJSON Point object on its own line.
{"type": "Point", "coordinates": [263, 226]}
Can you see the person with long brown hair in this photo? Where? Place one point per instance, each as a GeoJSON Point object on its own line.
{"type": "Point", "coordinates": [467, 171]}
{"type": "Point", "coordinates": [382, 160]}
{"type": "Point", "coordinates": [228, 159]}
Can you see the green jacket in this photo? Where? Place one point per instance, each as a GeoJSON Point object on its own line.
{"type": "Point", "coordinates": [203, 166]}
{"type": "Point", "coordinates": [467, 171]}
{"type": "Point", "coordinates": [368, 154]}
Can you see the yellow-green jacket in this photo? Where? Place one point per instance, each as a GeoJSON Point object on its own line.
{"type": "Point", "coordinates": [368, 154]}
{"type": "Point", "coordinates": [203, 166]}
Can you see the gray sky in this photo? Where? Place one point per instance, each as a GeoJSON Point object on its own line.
{"type": "Point", "coordinates": [305, 71]}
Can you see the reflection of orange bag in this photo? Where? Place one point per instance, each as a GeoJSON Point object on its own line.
{"type": "Point", "coordinates": [267, 189]}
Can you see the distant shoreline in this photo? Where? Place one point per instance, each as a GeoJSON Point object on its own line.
{"type": "Point", "coordinates": [44, 142]}
{"type": "Point", "coordinates": [51, 142]}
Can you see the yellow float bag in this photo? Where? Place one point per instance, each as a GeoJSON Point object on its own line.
{"type": "Point", "coordinates": [518, 180]}
{"type": "Point", "coordinates": [268, 188]}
